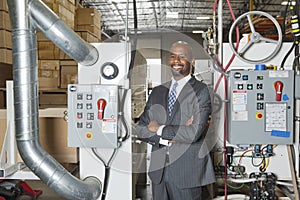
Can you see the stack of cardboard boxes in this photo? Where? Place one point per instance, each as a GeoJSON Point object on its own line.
{"type": "Point", "coordinates": [5, 51]}
{"type": "Point", "coordinates": [5, 34]}
{"type": "Point", "coordinates": [88, 19]}
{"type": "Point", "coordinates": [49, 54]}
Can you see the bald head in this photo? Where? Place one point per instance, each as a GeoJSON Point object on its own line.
{"type": "Point", "coordinates": [181, 59]}
{"type": "Point", "coordinates": [183, 45]}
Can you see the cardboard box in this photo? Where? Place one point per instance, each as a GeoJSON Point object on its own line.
{"type": "Point", "coordinates": [6, 56]}
{"type": "Point", "coordinates": [88, 36]}
{"type": "Point", "coordinates": [49, 54]}
{"type": "Point", "coordinates": [2, 98]}
{"type": "Point", "coordinates": [3, 5]}
{"type": "Point", "coordinates": [68, 62]}
{"type": "Point", "coordinates": [52, 98]}
{"type": "Point", "coordinates": [5, 39]}
{"type": "Point", "coordinates": [49, 73]}
{"type": "Point", "coordinates": [4, 21]}
{"type": "Point", "coordinates": [91, 28]}
{"type": "Point", "coordinates": [6, 73]}
{"type": "Point", "coordinates": [64, 56]}
{"type": "Point", "coordinates": [68, 4]}
{"type": "Point", "coordinates": [41, 37]}
{"type": "Point", "coordinates": [49, 65]}
{"type": "Point", "coordinates": [47, 45]}
{"type": "Point", "coordinates": [49, 82]}
{"type": "Point", "coordinates": [66, 15]}
{"type": "Point", "coordinates": [68, 75]}
{"type": "Point", "coordinates": [54, 139]}
{"type": "Point", "coordinates": [53, 134]}
{"type": "Point", "coordinates": [88, 16]}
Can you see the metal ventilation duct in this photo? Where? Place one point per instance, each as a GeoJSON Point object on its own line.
{"type": "Point", "coordinates": [25, 16]}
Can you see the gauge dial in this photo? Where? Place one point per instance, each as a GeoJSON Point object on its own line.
{"type": "Point", "coordinates": [109, 70]}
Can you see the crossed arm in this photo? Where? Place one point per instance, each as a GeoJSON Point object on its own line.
{"type": "Point", "coordinates": [154, 125]}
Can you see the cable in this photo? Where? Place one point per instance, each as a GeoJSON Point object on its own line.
{"type": "Point", "coordinates": [122, 117]}
{"type": "Point", "coordinates": [284, 18]}
{"type": "Point", "coordinates": [236, 188]}
{"type": "Point", "coordinates": [286, 56]}
{"type": "Point", "coordinates": [239, 163]}
{"type": "Point", "coordinates": [261, 162]}
{"type": "Point", "coordinates": [133, 51]}
{"type": "Point", "coordinates": [107, 170]}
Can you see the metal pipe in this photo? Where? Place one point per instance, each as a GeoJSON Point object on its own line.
{"type": "Point", "coordinates": [220, 31]}
{"type": "Point", "coordinates": [61, 35]}
{"type": "Point", "coordinates": [25, 80]}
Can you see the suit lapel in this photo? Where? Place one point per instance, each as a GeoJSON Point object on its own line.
{"type": "Point", "coordinates": [165, 96]}
{"type": "Point", "coordinates": [186, 90]}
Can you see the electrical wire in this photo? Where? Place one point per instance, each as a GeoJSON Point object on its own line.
{"type": "Point", "coordinates": [284, 17]}
{"type": "Point", "coordinates": [236, 188]}
{"type": "Point", "coordinates": [133, 51]}
{"type": "Point", "coordinates": [286, 56]}
{"type": "Point", "coordinates": [240, 160]}
{"type": "Point", "coordinates": [122, 117]}
{"type": "Point", "coordinates": [107, 170]}
{"type": "Point", "coordinates": [248, 180]}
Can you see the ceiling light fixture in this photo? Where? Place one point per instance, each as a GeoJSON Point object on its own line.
{"type": "Point", "coordinates": [203, 17]}
{"type": "Point", "coordinates": [284, 3]}
{"type": "Point", "coordinates": [198, 31]}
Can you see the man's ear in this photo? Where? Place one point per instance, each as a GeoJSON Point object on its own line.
{"type": "Point", "coordinates": [192, 68]}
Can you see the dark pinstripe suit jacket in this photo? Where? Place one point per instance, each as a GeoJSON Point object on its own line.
{"type": "Point", "coordinates": [190, 163]}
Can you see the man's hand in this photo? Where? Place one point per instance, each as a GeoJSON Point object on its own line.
{"type": "Point", "coordinates": [153, 126]}
{"type": "Point", "coordinates": [190, 121]}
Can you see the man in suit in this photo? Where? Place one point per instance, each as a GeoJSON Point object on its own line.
{"type": "Point", "coordinates": [175, 122]}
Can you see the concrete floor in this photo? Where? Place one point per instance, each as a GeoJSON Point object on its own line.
{"type": "Point", "coordinates": [48, 194]}
{"type": "Point", "coordinates": [143, 192]}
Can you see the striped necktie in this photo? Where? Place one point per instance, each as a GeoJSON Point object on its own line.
{"type": "Point", "coordinates": [172, 98]}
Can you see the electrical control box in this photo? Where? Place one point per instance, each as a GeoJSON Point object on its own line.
{"type": "Point", "coordinates": [260, 108]}
{"type": "Point", "coordinates": [93, 115]}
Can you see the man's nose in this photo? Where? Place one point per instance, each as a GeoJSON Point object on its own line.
{"type": "Point", "coordinates": [177, 58]}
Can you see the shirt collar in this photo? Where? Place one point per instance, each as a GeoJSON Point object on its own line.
{"type": "Point", "coordinates": [182, 81]}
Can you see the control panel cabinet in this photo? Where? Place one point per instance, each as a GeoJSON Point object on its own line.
{"type": "Point", "coordinates": [261, 107]}
{"type": "Point", "coordinates": [93, 116]}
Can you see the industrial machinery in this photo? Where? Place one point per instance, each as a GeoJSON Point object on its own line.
{"type": "Point", "coordinates": [261, 142]}
{"type": "Point", "coordinates": [261, 112]}
{"type": "Point", "coordinates": [263, 99]}
{"type": "Point", "coordinates": [98, 111]}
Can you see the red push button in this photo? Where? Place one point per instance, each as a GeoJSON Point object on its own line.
{"type": "Point", "coordinates": [89, 135]}
{"type": "Point", "coordinates": [259, 115]}
{"type": "Point", "coordinates": [79, 115]}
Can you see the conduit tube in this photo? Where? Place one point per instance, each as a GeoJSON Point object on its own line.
{"type": "Point", "coordinates": [25, 81]}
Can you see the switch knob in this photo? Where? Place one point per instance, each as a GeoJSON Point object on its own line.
{"type": "Point", "coordinates": [101, 106]}
{"type": "Point", "coordinates": [278, 85]}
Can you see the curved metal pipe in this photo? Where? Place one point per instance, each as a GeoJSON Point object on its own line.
{"type": "Point", "coordinates": [26, 112]}
{"type": "Point", "coordinates": [61, 35]}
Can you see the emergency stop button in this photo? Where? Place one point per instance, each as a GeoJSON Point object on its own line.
{"type": "Point", "coordinates": [259, 115]}
{"type": "Point", "coordinates": [88, 135]}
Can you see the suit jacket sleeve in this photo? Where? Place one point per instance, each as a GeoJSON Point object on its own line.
{"type": "Point", "coordinates": [201, 110]}
{"type": "Point", "coordinates": [142, 130]}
